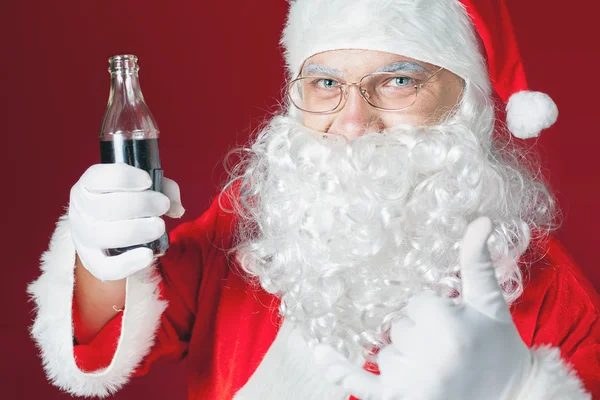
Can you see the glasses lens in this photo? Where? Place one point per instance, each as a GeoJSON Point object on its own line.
{"type": "Point", "coordinates": [392, 91]}
{"type": "Point", "coordinates": [316, 93]}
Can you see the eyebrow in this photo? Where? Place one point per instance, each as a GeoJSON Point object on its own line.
{"type": "Point", "coordinates": [403, 66]}
{"type": "Point", "coordinates": [322, 69]}
{"type": "Point", "coordinates": [395, 67]}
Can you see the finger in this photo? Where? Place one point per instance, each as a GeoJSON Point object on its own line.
{"type": "Point", "coordinates": [364, 385]}
{"type": "Point", "coordinates": [121, 205]}
{"type": "Point", "coordinates": [336, 366]}
{"type": "Point", "coordinates": [116, 234]}
{"type": "Point", "coordinates": [117, 267]}
{"type": "Point", "coordinates": [390, 360]}
{"type": "Point", "coordinates": [480, 287]}
{"type": "Point", "coordinates": [341, 372]}
{"type": "Point", "coordinates": [117, 177]}
{"type": "Point", "coordinates": [408, 342]}
{"type": "Point", "coordinates": [400, 329]}
{"type": "Point", "coordinates": [171, 189]}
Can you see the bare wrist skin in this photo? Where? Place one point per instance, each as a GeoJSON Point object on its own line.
{"type": "Point", "coordinates": [98, 301]}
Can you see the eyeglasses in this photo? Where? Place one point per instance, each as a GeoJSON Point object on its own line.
{"type": "Point", "coordinates": [385, 91]}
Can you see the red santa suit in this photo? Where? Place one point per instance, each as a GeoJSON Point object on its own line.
{"type": "Point", "coordinates": [198, 304]}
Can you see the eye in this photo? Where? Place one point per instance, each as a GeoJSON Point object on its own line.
{"type": "Point", "coordinates": [400, 81]}
{"type": "Point", "coordinates": [326, 83]}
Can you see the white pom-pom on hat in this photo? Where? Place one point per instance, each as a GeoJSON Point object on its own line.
{"type": "Point", "coordinates": [528, 113]}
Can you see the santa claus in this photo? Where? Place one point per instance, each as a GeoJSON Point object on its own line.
{"type": "Point", "coordinates": [380, 238]}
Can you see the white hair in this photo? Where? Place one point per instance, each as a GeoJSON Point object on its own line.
{"type": "Point", "coordinates": [347, 232]}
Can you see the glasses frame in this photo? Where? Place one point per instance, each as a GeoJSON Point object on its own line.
{"type": "Point", "coordinates": [343, 87]}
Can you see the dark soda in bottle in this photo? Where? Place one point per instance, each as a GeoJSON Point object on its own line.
{"type": "Point", "coordinates": [129, 133]}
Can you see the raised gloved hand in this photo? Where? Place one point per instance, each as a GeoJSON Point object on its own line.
{"type": "Point", "coordinates": [110, 207]}
{"type": "Point", "coordinates": [446, 351]}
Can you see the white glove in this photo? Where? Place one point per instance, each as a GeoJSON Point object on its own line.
{"type": "Point", "coordinates": [111, 207]}
{"type": "Point", "coordinates": [446, 351]}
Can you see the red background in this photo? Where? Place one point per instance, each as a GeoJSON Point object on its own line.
{"type": "Point", "coordinates": [210, 72]}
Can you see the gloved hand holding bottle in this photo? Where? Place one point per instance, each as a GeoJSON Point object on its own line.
{"type": "Point", "coordinates": [112, 206]}
{"type": "Point", "coordinates": [115, 207]}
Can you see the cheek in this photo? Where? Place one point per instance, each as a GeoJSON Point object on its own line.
{"type": "Point", "coordinates": [317, 122]}
{"type": "Point", "coordinates": [408, 117]}
{"type": "Point", "coordinates": [433, 105]}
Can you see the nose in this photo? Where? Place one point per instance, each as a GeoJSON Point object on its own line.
{"type": "Point", "coordinates": [356, 117]}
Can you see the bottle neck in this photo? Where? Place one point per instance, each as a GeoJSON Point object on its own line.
{"type": "Point", "coordinates": [127, 115]}
{"type": "Point", "coordinates": [125, 88]}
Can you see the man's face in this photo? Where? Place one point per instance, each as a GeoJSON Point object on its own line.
{"type": "Point", "coordinates": [437, 97]}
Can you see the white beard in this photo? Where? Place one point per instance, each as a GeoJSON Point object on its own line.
{"type": "Point", "coordinates": [347, 232]}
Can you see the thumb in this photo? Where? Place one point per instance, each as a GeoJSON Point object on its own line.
{"type": "Point", "coordinates": [480, 287]}
{"type": "Point", "coordinates": [170, 188]}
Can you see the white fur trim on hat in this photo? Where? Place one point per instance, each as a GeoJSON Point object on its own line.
{"type": "Point", "coordinates": [438, 32]}
{"type": "Point", "coordinates": [528, 113]}
{"type": "Point", "coordinates": [52, 329]}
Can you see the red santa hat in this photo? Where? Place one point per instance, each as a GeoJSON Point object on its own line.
{"type": "Point", "coordinates": [440, 32]}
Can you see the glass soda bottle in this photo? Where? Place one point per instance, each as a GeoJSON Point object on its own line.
{"type": "Point", "coordinates": [129, 133]}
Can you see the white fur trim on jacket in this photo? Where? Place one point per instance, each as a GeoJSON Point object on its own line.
{"type": "Point", "coordinates": [551, 378]}
{"type": "Point", "coordinates": [288, 371]}
{"type": "Point", "coordinates": [52, 329]}
{"type": "Point", "coordinates": [291, 361]}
